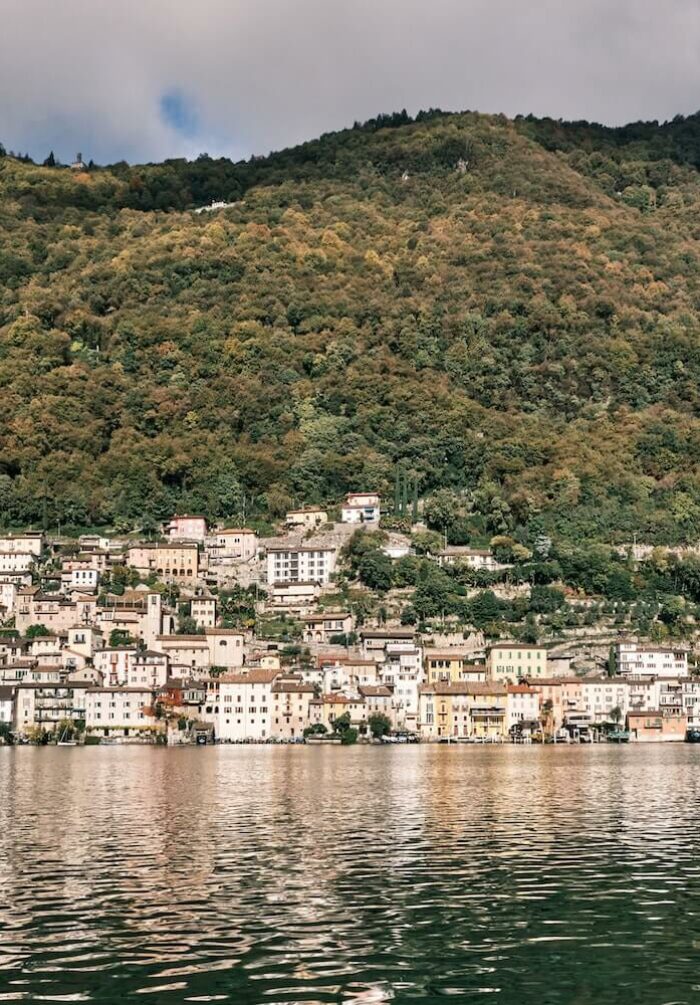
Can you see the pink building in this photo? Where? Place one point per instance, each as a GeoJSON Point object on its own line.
{"type": "Point", "coordinates": [187, 528]}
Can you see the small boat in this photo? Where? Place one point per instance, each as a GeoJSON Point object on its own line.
{"type": "Point", "coordinates": [618, 736]}
{"type": "Point", "coordinates": [64, 742]}
{"type": "Point", "coordinates": [692, 735]}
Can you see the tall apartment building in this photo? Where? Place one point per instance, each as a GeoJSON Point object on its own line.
{"type": "Point", "coordinates": [300, 565]}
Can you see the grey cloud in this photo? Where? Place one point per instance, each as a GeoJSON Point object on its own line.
{"type": "Point", "coordinates": [261, 74]}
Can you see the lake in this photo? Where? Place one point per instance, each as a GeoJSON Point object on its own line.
{"type": "Point", "coordinates": [368, 874]}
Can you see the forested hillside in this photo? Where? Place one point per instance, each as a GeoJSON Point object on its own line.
{"type": "Point", "coordinates": [508, 309]}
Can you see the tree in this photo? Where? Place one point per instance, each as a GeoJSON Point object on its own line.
{"type": "Point", "coordinates": [318, 729]}
{"type": "Point", "coordinates": [342, 723]}
{"type": "Point", "coordinates": [375, 571]}
{"type": "Point", "coordinates": [611, 663]}
{"type": "Point", "coordinates": [379, 725]}
{"type": "Point", "coordinates": [36, 631]}
{"type": "Point", "coordinates": [119, 637]}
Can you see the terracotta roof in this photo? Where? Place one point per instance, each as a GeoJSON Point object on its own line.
{"type": "Point", "coordinates": [514, 645]}
{"type": "Point", "coordinates": [252, 677]}
{"type": "Point", "coordinates": [464, 687]}
{"type": "Point", "coordinates": [375, 691]}
{"type": "Point", "coordinates": [292, 687]}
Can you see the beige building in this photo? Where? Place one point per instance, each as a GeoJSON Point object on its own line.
{"type": "Point", "coordinates": [31, 542]}
{"type": "Point", "coordinates": [290, 707]}
{"type": "Point", "coordinates": [177, 563]}
{"type": "Point", "coordinates": [123, 711]}
{"type": "Point", "coordinates": [55, 613]}
{"type": "Point", "coordinates": [294, 598]}
{"type": "Point", "coordinates": [463, 710]}
{"type": "Point", "coordinates": [307, 518]}
{"type": "Point", "coordinates": [330, 707]}
{"type": "Point", "coordinates": [515, 661]}
{"type": "Point", "coordinates": [323, 626]}
{"type": "Point", "coordinates": [203, 610]}
{"type": "Point", "coordinates": [236, 543]}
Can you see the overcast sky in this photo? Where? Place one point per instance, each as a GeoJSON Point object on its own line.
{"type": "Point", "coordinates": [147, 79]}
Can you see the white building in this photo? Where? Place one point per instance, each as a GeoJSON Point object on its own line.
{"type": "Point", "coordinates": [522, 704]}
{"type": "Point", "coordinates": [84, 579]}
{"type": "Point", "coordinates": [7, 705]}
{"type": "Point", "coordinates": [147, 669]}
{"type": "Point", "coordinates": [601, 696]}
{"type": "Point", "coordinates": [122, 711]}
{"type": "Point", "coordinates": [636, 659]}
{"type": "Point", "coordinates": [474, 558]}
{"type": "Point", "coordinates": [237, 543]}
{"type": "Point", "coordinates": [691, 701]}
{"type": "Point", "coordinates": [300, 565]}
{"type": "Point", "coordinates": [16, 561]}
{"type": "Point", "coordinates": [360, 507]}
{"type": "Point", "coordinates": [402, 671]}
{"type": "Point", "coordinates": [244, 710]}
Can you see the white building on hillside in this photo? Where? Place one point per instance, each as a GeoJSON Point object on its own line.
{"type": "Point", "coordinates": [360, 507]}
{"type": "Point", "coordinates": [313, 564]}
{"type": "Point", "coordinates": [638, 659]}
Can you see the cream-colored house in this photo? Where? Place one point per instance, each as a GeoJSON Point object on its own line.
{"type": "Point", "coordinates": [121, 711]}
{"type": "Point", "coordinates": [323, 626]}
{"type": "Point", "coordinates": [203, 610]}
{"type": "Point", "coordinates": [238, 543]}
{"type": "Point", "coordinates": [290, 707]}
{"type": "Point", "coordinates": [244, 710]}
{"type": "Point", "coordinates": [307, 518]}
{"type": "Point", "coordinates": [515, 661]}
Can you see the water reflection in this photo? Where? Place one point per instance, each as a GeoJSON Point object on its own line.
{"type": "Point", "coordinates": [367, 875]}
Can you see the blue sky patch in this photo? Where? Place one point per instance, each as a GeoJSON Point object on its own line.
{"type": "Point", "coordinates": [178, 112]}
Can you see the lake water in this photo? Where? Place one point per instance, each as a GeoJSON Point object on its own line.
{"type": "Point", "coordinates": [292, 874]}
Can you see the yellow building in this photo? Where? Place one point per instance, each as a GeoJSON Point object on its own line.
{"type": "Point", "coordinates": [330, 707]}
{"type": "Point", "coordinates": [514, 661]}
{"type": "Point", "coordinates": [463, 710]}
{"type": "Point", "coordinates": [451, 665]}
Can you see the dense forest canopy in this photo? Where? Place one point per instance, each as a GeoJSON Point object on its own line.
{"type": "Point", "coordinates": [510, 310]}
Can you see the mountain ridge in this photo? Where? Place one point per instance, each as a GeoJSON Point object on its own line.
{"type": "Point", "coordinates": [507, 309]}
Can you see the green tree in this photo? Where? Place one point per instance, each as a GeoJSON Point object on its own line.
{"type": "Point", "coordinates": [379, 725]}
{"type": "Point", "coordinates": [375, 571]}
{"type": "Point", "coordinates": [36, 631]}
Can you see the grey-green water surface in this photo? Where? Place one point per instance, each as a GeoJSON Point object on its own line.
{"type": "Point", "coordinates": [304, 875]}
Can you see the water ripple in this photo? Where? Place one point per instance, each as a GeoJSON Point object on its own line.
{"type": "Point", "coordinates": [370, 875]}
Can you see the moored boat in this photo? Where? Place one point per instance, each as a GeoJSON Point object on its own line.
{"type": "Point", "coordinates": [692, 735]}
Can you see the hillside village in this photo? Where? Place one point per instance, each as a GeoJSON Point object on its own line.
{"type": "Point", "coordinates": [217, 634]}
